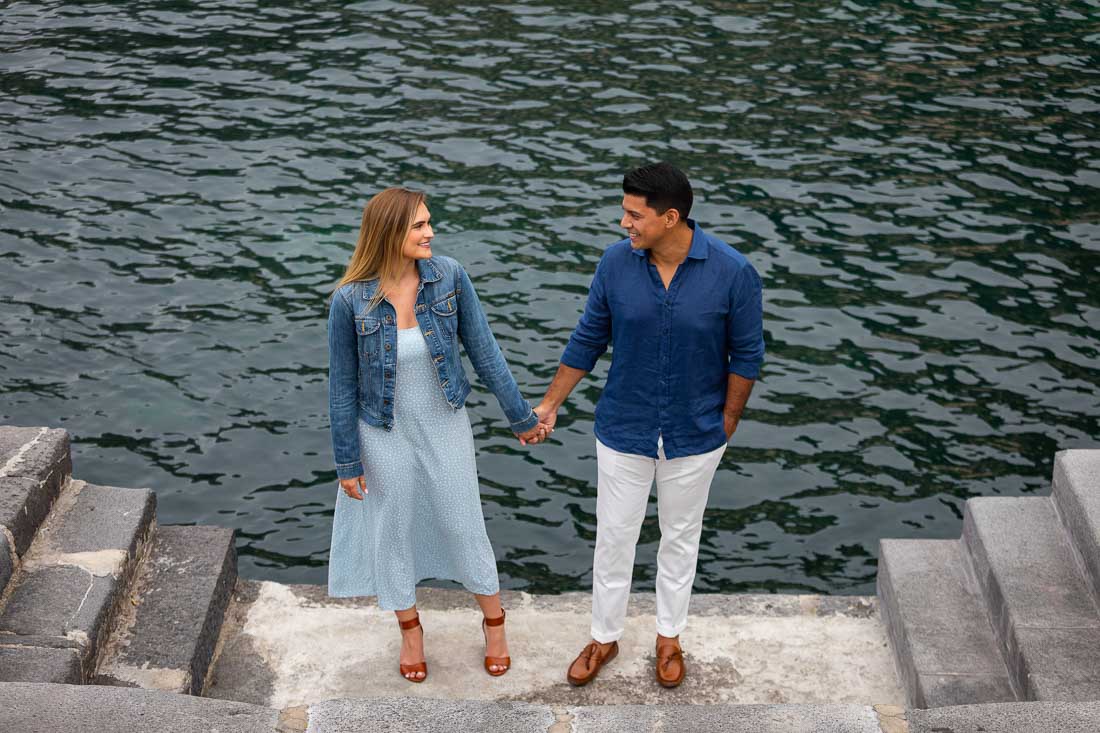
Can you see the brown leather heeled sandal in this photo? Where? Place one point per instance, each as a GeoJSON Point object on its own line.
{"type": "Point", "coordinates": [419, 666]}
{"type": "Point", "coordinates": [505, 662]}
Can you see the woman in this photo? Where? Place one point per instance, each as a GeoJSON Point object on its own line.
{"type": "Point", "coordinates": [409, 507]}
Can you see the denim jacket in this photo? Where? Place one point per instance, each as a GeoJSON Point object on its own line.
{"type": "Point", "coordinates": [362, 347]}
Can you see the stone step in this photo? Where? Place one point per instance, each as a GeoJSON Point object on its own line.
{"type": "Point", "coordinates": [56, 708]}
{"type": "Point", "coordinates": [167, 640]}
{"type": "Point", "coordinates": [944, 648]}
{"type": "Point", "coordinates": [1076, 496]}
{"type": "Point", "coordinates": [72, 580]}
{"type": "Point", "coordinates": [34, 465]}
{"type": "Point", "coordinates": [1017, 717]}
{"type": "Point", "coordinates": [1043, 617]}
{"type": "Point", "coordinates": [444, 716]}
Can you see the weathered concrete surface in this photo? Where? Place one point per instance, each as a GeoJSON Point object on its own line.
{"type": "Point", "coordinates": [46, 708]}
{"type": "Point", "coordinates": [289, 645]}
{"type": "Point", "coordinates": [725, 719]}
{"type": "Point", "coordinates": [166, 639]}
{"type": "Point", "coordinates": [1039, 606]}
{"type": "Point", "coordinates": [1076, 496]}
{"type": "Point", "coordinates": [1032, 717]}
{"type": "Point", "coordinates": [425, 716]}
{"type": "Point", "coordinates": [34, 664]}
{"type": "Point", "coordinates": [34, 465]}
{"type": "Point", "coordinates": [943, 645]}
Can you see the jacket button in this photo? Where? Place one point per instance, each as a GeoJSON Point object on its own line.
{"type": "Point", "coordinates": [385, 402]}
{"type": "Point", "coordinates": [387, 347]}
{"type": "Point", "coordinates": [389, 319]}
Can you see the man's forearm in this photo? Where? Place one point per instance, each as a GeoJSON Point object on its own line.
{"type": "Point", "coordinates": [738, 390]}
{"type": "Point", "coordinates": [563, 383]}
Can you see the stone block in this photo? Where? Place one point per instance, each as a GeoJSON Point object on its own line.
{"type": "Point", "coordinates": [104, 518]}
{"type": "Point", "coordinates": [46, 707]}
{"type": "Point", "coordinates": [61, 601]}
{"type": "Point", "coordinates": [7, 564]}
{"type": "Point", "coordinates": [1039, 605]}
{"type": "Point", "coordinates": [1031, 717]}
{"type": "Point", "coordinates": [943, 647]}
{"type": "Point", "coordinates": [184, 591]}
{"type": "Point", "coordinates": [1076, 495]}
{"type": "Point", "coordinates": [374, 715]}
{"type": "Point", "coordinates": [725, 718]}
{"type": "Point", "coordinates": [36, 664]}
{"type": "Point", "coordinates": [34, 464]}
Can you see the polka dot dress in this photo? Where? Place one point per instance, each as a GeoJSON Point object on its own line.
{"type": "Point", "coordinates": [422, 516]}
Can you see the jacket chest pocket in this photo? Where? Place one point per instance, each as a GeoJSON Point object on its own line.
{"type": "Point", "coordinates": [445, 316]}
{"type": "Point", "coordinates": [369, 334]}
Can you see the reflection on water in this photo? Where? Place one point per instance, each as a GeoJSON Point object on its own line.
{"type": "Point", "coordinates": [180, 185]}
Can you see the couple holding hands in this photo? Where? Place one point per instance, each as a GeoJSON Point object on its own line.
{"type": "Point", "coordinates": [682, 311]}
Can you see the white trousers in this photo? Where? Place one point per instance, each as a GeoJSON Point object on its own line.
{"type": "Point", "coordinates": [622, 492]}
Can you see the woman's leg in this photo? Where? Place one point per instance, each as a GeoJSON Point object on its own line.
{"type": "Point", "coordinates": [496, 645]}
{"type": "Point", "coordinates": [412, 642]}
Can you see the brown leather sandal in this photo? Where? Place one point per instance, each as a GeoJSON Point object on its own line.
{"type": "Point", "coordinates": [668, 654]}
{"type": "Point", "coordinates": [597, 658]}
{"type": "Point", "coordinates": [419, 666]}
{"type": "Point", "coordinates": [505, 662]}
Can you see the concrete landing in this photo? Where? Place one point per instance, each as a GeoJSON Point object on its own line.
{"type": "Point", "coordinates": [290, 645]}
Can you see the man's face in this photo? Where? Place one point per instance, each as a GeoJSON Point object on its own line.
{"type": "Point", "coordinates": [643, 224]}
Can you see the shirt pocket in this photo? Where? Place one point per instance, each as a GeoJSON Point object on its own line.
{"type": "Point", "coordinates": [444, 311]}
{"type": "Point", "coordinates": [369, 334]}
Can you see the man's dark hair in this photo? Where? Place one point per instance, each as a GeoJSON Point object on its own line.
{"type": "Point", "coordinates": [663, 185]}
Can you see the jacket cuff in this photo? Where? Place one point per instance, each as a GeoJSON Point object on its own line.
{"type": "Point", "coordinates": [349, 470]}
{"type": "Point", "coordinates": [526, 423]}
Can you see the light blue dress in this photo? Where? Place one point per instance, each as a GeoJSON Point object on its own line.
{"type": "Point", "coordinates": [421, 517]}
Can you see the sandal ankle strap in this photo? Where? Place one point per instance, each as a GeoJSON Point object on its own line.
{"type": "Point", "coordinates": [499, 620]}
{"type": "Point", "coordinates": [412, 623]}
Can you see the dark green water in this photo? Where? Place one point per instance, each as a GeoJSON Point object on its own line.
{"type": "Point", "coordinates": [918, 183]}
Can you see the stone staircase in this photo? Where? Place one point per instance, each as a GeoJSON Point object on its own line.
{"type": "Point", "coordinates": [1009, 612]}
{"type": "Point", "coordinates": [93, 591]}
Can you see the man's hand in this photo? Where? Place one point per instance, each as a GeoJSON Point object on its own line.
{"type": "Point", "coordinates": [548, 415]}
{"type": "Point", "coordinates": [730, 424]}
{"type": "Point", "coordinates": [356, 487]}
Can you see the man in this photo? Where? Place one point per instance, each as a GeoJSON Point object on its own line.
{"type": "Point", "coordinates": [683, 312]}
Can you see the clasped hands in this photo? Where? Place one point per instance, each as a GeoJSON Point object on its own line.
{"type": "Point", "coordinates": [547, 417]}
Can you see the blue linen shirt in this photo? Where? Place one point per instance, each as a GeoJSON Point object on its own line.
{"type": "Point", "coordinates": [671, 350]}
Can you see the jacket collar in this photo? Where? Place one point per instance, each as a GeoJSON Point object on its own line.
{"type": "Point", "coordinates": [427, 270]}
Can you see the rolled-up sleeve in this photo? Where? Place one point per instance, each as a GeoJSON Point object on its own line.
{"type": "Point", "coordinates": [745, 324]}
{"type": "Point", "coordinates": [589, 339]}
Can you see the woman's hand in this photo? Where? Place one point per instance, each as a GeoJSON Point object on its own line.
{"type": "Point", "coordinates": [354, 487]}
{"type": "Point", "coordinates": [535, 435]}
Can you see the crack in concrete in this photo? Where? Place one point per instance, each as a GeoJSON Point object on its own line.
{"type": "Point", "coordinates": [15, 459]}
{"type": "Point", "coordinates": [91, 584]}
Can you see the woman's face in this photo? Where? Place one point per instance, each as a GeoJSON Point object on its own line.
{"type": "Point", "coordinates": [418, 242]}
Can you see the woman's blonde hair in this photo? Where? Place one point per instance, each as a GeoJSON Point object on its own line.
{"type": "Point", "coordinates": [386, 221]}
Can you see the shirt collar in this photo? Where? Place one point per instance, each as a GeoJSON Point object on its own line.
{"type": "Point", "coordinates": [699, 247]}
